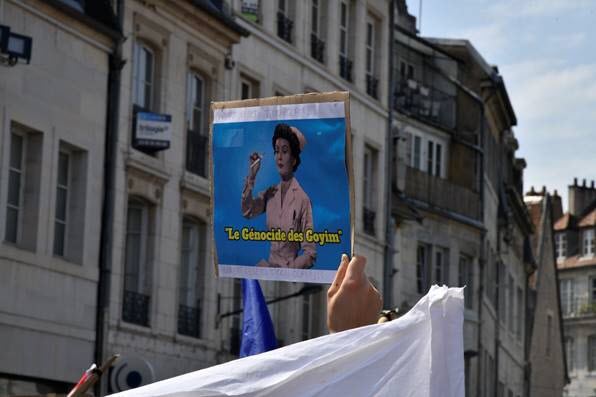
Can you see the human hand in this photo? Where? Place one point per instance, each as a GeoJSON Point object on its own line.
{"type": "Point", "coordinates": [254, 164]}
{"type": "Point", "coordinates": [352, 301]}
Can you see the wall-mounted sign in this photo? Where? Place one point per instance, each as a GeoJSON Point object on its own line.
{"type": "Point", "coordinates": [153, 131]}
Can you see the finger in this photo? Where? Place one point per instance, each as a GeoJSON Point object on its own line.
{"type": "Point", "coordinates": [355, 270]}
{"type": "Point", "coordinates": [339, 276]}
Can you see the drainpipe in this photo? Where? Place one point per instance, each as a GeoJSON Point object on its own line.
{"type": "Point", "coordinates": [107, 217]}
{"type": "Point", "coordinates": [482, 255]}
{"type": "Point", "coordinates": [388, 259]}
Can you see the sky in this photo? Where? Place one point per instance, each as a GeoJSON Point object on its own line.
{"type": "Point", "coordinates": [546, 53]}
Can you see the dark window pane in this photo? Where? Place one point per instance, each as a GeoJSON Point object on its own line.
{"type": "Point", "coordinates": [63, 169]}
{"type": "Point", "coordinates": [61, 197]}
{"type": "Point", "coordinates": [12, 225]}
{"type": "Point", "coordinates": [16, 151]}
{"type": "Point", "coordinates": [14, 188]}
{"type": "Point", "coordinates": [59, 234]}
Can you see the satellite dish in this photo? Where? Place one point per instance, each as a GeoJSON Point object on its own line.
{"type": "Point", "coordinates": [131, 372]}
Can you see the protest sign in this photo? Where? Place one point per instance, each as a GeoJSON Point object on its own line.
{"type": "Point", "coordinates": [281, 187]}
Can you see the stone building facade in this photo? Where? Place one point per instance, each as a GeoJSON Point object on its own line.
{"type": "Point", "coordinates": [575, 250]}
{"type": "Point", "coordinates": [164, 297]}
{"type": "Point", "coordinates": [52, 130]}
{"type": "Point", "coordinates": [318, 46]}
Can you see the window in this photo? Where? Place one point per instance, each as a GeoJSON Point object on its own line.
{"type": "Point", "coordinates": [251, 10]}
{"type": "Point", "coordinates": [417, 150]}
{"type": "Point", "coordinates": [24, 176]}
{"type": "Point", "coordinates": [310, 312]}
{"type": "Point", "coordinates": [284, 22]}
{"type": "Point", "coordinates": [592, 291]}
{"type": "Point", "coordinates": [432, 150]}
{"type": "Point", "coordinates": [345, 39]}
{"type": "Point", "coordinates": [192, 263]}
{"type": "Point", "coordinates": [370, 189]}
{"type": "Point", "coordinates": [441, 266]}
{"type": "Point", "coordinates": [588, 242]}
{"type": "Point", "coordinates": [549, 334]}
{"type": "Point", "coordinates": [502, 291]}
{"type": "Point", "coordinates": [14, 207]}
{"type": "Point", "coordinates": [371, 56]}
{"type": "Point", "coordinates": [69, 214]}
{"type": "Point", "coordinates": [422, 268]}
{"type": "Point", "coordinates": [137, 264]}
{"type": "Point", "coordinates": [570, 353]}
{"type": "Point", "coordinates": [406, 70]}
{"type": "Point", "coordinates": [144, 76]}
{"type": "Point", "coordinates": [567, 291]}
{"type": "Point", "coordinates": [592, 353]}
{"type": "Point", "coordinates": [561, 245]}
{"type": "Point", "coordinates": [197, 138]}
{"type": "Point", "coordinates": [317, 42]}
{"type": "Point", "coordinates": [236, 330]}
{"type": "Point", "coordinates": [61, 215]}
{"type": "Point", "coordinates": [466, 278]}
{"type": "Point", "coordinates": [249, 88]}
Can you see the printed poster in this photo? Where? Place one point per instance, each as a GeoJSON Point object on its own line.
{"type": "Point", "coordinates": [280, 187]}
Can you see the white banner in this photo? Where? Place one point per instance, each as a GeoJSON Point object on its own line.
{"type": "Point", "coordinates": [419, 354]}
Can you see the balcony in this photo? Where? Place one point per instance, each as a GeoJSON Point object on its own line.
{"type": "Point", "coordinates": [196, 153]}
{"type": "Point", "coordinates": [579, 308]}
{"type": "Point", "coordinates": [345, 68]}
{"type": "Point", "coordinates": [135, 308]}
{"type": "Point", "coordinates": [284, 27]}
{"type": "Point", "coordinates": [372, 84]}
{"type": "Point", "coordinates": [368, 220]}
{"type": "Point", "coordinates": [189, 320]}
{"type": "Point", "coordinates": [425, 103]}
{"type": "Point", "coordinates": [317, 48]}
{"type": "Point", "coordinates": [442, 194]}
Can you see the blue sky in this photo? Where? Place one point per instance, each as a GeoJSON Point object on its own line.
{"type": "Point", "coordinates": [546, 52]}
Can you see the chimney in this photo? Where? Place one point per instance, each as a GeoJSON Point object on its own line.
{"type": "Point", "coordinates": [557, 207]}
{"type": "Point", "coordinates": [580, 197]}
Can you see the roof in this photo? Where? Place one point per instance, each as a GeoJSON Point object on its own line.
{"type": "Point", "coordinates": [564, 222]}
{"type": "Point", "coordinates": [588, 220]}
{"type": "Point", "coordinates": [576, 261]}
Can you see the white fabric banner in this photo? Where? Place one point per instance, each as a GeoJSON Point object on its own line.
{"type": "Point", "coordinates": [419, 354]}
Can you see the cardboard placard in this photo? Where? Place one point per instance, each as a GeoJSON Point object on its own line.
{"type": "Point", "coordinates": [281, 187]}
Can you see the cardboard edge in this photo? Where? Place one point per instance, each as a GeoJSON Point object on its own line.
{"type": "Point", "coordinates": [211, 193]}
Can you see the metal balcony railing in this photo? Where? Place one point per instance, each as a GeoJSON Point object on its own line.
{"type": "Point", "coordinates": [368, 220]}
{"type": "Point", "coordinates": [196, 153]}
{"type": "Point", "coordinates": [135, 308]}
{"type": "Point", "coordinates": [442, 193]}
{"type": "Point", "coordinates": [317, 48]}
{"type": "Point", "coordinates": [426, 103]}
{"type": "Point", "coordinates": [345, 68]}
{"type": "Point", "coordinates": [284, 27]}
{"type": "Point", "coordinates": [189, 320]}
{"type": "Point", "coordinates": [578, 307]}
{"type": "Point", "coordinates": [372, 84]}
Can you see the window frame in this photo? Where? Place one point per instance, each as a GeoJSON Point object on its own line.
{"type": "Point", "coordinates": [466, 277]}
{"type": "Point", "coordinates": [344, 28]}
{"type": "Point", "coordinates": [66, 188]}
{"type": "Point", "coordinates": [424, 154]}
{"type": "Point", "coordinates": [588, 242]}
{"type": "Point", "coordinates": [370, 185]}
{"type": "Point", "coordinates": [561, 245]}
{"type": "Point", "coordinates": [142, 47]}
{"type": "Point", "coordinates": [567, 292]}
{"type": "Point", "coordinates": [22, 175]}
{"type": "Point", "coordinates": [422, 267]}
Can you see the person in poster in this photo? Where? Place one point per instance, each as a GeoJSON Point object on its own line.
{"type": "Point", "coordinates": [287, 206]}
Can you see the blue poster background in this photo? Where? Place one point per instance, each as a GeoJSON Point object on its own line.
{"type": "Point", "coordinates": [322, 175]}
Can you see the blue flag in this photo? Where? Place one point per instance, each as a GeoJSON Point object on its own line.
{"type": "Point", "coordinates": [258, 335]}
